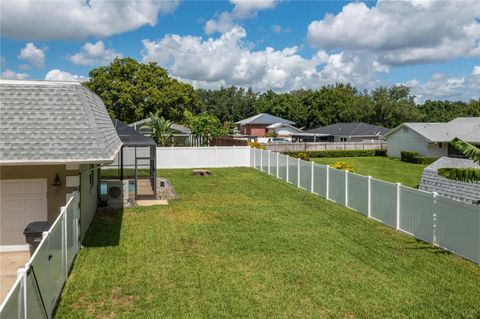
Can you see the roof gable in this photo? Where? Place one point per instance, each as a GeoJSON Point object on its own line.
{"type": "Point", "coordinates": [350, 129]}
{"type": "Point", "coordinates": [265, 119]}
{"type": "Point", "coordinates": [54, 122]}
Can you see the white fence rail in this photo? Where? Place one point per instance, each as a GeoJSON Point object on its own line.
{"type": "Point", "coordinates": [39, 284]}
{"type": "Point", "coordinates": [325, 146]}
{"type": "Point", "coordinates": [446, 223]}
{"type": "Point", "coordinates": [189, 157]}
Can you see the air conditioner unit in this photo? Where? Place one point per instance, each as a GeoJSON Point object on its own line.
{"type": "Point", "coordinates": [117, 193]}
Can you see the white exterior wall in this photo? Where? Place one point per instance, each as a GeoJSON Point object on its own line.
{"type": "Point", "coordinates": [412, 141]}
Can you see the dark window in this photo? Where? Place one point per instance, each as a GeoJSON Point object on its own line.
{"type": "Point", "coordinates": [440, 145]}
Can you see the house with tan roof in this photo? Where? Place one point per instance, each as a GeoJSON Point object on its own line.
{"type": "Point", "coordinates": [432, 139]}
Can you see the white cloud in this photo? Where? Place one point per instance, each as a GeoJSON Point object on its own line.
{"type": "Point", "coordinates": [243, 9]}
{"type": "Point", "coordinates": [476, 70]}
{"type": "Point", "coordinates": [33, 55]}
{"type": "Point", "coordinates": [276, 28]}
{"type": "Point", "coordinates": [402, 32]}
{"type": "Point", "coordinates": [12, 75]}
{"type": "Point", "coordinates": [58, 75]}
{"type": "Point", "coordinates": [94, 54]}
{"type": "Point", "coordinates": [229, 60]}
{"type": "Point", "coordinates": [53, 19]}
{"type": "Point", "coordinates": [443, 87]}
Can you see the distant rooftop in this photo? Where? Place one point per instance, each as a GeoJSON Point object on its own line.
{"type": "Point", "coordinates": [130, 137]}
{"type": "Point", "coordinates": [264, 119]}
{"type": "Point", "coordinates": [465, 128]}
{"type": "Point", "coordinates": [46, 122]}
{"type": "Point", "coordinates": [350, 129]}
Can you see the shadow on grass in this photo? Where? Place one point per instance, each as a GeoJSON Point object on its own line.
{"type": "Point", "coordinates": [105, 228]}
{"type": "Point", "coordinates": [420, 245]}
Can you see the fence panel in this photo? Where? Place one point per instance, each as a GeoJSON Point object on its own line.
{"type": "Point", "coordinates": [282, 166]}
{"type": "Point", "coordinates": [458, 227]}
{"type": "Point", "coordinates": [292, 170]}
{"type": "Point", "coordinates": [305, 175]}
{"type": "Point", "coordinates": [320, 180]}
{"type": "Point", "coordinates": [336, 185]}
{"type": "Point", "coordinates": [34, 302]}
{"type": "Point", "coordinates": [273, 163]}
{"type": "Point", "coordinates": [357, 190]}
{"type": "Point", "coordinates": [252, 157]}
{"type": "Point", "coordinates": [416, 213]}
{"type": "Point", "coordinates": [71, 233]}
{"type": "Point", "coordinates": [258, 159]}
{"type": "Point", "coordinates": [384, 202]}
{"type": "Point", "coordinates": [264, 161]}
{"type": "Point", "coordinates": [12, 307]}
{"type": "Point", "coordinates": [56, 263]}
{"type": "Point", "coordinates": [41, 265]}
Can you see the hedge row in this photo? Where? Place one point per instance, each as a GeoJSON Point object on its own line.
{"type": "Point", "coordinates": [414, 157]}
{"type": "Point", "coordinates": [339, 153]}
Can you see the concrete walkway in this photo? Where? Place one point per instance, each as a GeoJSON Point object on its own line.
{"type": "Point", "coordinates": [9, 263]}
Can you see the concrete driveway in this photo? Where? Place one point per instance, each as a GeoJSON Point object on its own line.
{"type": "Point", "coordinates": [9, 263]}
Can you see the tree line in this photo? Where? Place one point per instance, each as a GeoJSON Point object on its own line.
{"type": "Point", "coordinates": [132, 90]}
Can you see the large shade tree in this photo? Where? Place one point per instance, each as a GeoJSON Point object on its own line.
{"type": "Point", "coordinates": [131, 90]}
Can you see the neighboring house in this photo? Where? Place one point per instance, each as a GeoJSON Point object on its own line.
{"type": "Point", "coordinates": [432, 182]}
{"type": "Point", "coordinates": [283, 130]}
{"type": "Point", "coordinates": [343, 132]}
{"type": "Point", "coordinates": [432, 139]}
{"type": "Point", "coordinates": [257, 125]}
{"type": "Point", "coordinates": [54, 137]}
{"type": "Point", "coordinates": [182, 135]}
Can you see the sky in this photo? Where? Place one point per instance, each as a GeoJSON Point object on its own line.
{"type": "Point", "coordinates": [431, 46]}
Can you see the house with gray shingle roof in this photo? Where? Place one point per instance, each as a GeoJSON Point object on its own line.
{"type": "Point", "coordinates": [257, 125]}
{"type": "Point", "coordinates": [432, 139]}
{"type": "Point", "coordinates": [54, 137]}
{"type": "Point", "coordinates": [342, 132]}
{"type": "Point", "coordinates": [431, 181]}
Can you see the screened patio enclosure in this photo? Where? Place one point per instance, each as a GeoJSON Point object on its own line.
{"type": "Point", "coordinates": [142, 168]}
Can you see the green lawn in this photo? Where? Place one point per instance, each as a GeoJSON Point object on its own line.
{"type": "Point", "coordinates": [243, 244]}
{"type": "Point", "coordinates": [385, 168]}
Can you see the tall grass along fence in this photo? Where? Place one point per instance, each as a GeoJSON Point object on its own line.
{"type": "Point", "coordinates": [190, 157]}
{"type": "Point", "coordinates": [446, 223]}
{"type": "Point", "coordinates": [40, 283]}
{"type": "Point", "coordinates": [325, 146]}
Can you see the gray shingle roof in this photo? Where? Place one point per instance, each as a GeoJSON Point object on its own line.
{"type": "Point", "coordinates": [462, 191]}
{"type": "Point", "coordinates": [465, 128]}
{"type": "Point", "coordinates": [54, 122]}
{"type": "Point", "coordinates": [265, 119]}
{"type": "Point", "coordinates": [350, 129]}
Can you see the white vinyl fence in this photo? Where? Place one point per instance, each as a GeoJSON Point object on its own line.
{"type": "Point", "coordinates": [325, 146]}
{"type": "Point", "coordinates": [449, 224]}
{"type": "Point", "coordinates": [189, 157]}
{"type": "Point", "coordinates": [39, 284]}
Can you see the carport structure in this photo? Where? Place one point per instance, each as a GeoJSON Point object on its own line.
{"type": "Point", "coordinates": [145, 185]}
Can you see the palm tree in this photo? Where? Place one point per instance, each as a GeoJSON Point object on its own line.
{"type": "Point", "coordinates": [160, 127]}
{"type": "Point", "coordinates": [463, 174]}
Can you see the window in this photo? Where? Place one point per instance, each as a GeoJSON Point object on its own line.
{"type": "Point", "coordinates": [91, 176]}
{"type": "Point", "coordinates": [440, 145]}
{"type": "Point", "coordinates": [343, 139]}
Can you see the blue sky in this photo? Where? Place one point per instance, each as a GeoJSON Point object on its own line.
{"type": "Point", "coordinates": [265, 44]}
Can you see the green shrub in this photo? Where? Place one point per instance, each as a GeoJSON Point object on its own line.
{"type": "Point", "coordinates": [342, 153]}
{"type": "Point", "coordinates": [414, 157]}
{"type": "Point", "coordinates": [301, 155]}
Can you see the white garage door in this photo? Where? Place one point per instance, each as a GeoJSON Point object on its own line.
{"type": "Point", "coordinates": [21, 202]}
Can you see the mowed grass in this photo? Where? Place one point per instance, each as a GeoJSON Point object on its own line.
{"type": "Point", "coordinates": [241, 244]}
{"type": "Point", "coordinates": [380, 167]}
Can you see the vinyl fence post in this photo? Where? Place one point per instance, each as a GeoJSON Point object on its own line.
{"type": "Point", "coordinates": [369, 195]}
{"type": "Point", "coordinates": [298, 172]}
{"type": "Point", "coordinates": [398, 206]}
{"type": "Point", "coordinates": [288, 159]}
{"type": "Point", "coordinates": [327, 187]}
{"type": "Point", "coordinates": [22, 306]}
{"type": "Point", "coordinates": [261, 159]}
{"type": "Point", "coordinates": [435, 194]}
{"type": "Point", "coordinates": [254, 155]}
{"type": "Point", "coordinates": [216, 156]}
{"type": "Point", "coordinates": [173, 158]}
{"type": "Point", "coordinates": [312, 176]}
{"type": "Point", "coordinates": [346, 188]}
{"type": "Point", "coordinates": [64, 242]}
{"type": "Point", "coordinates": [269, 153]}
{"type": "Point", "coordinates": [277, 164]}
